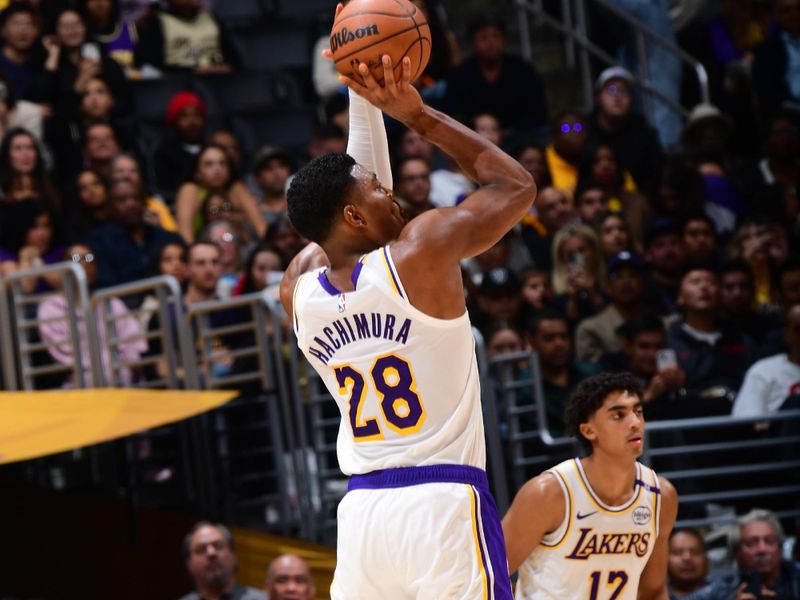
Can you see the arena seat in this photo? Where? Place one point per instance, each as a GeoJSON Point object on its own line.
{"type": "Point", "coordinates": [287, 46]}
{"type": "Point", "coordinates": [290, 129]}
{"type": "Point", "coordinates": [250, 92]}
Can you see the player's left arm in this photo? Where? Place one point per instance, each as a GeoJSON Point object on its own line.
{"type": "Point", "coordinates": [309, 258]}
{"type": "Point", "coordinates": [653, 582]}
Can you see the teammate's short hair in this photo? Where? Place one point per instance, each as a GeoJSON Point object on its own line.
{"type": "Point", "coordinates": [317, 193]}
{"type": "Point", "coordinates": [589, 396]}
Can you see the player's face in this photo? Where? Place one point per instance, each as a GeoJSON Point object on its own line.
{"type": "Point", "coordinates": [688, 562]}
{"type": "Point", "coordinates": [617, 427]}
{"type": "Point", "coordinates": [383, 215]}
{"type": "Point", "coordinates": [210, 556]}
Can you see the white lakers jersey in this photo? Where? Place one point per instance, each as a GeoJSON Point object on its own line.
{"type": "Point", "coordinates": [406, 383]}
{"type": "Point", "coordinates": [599, 551]}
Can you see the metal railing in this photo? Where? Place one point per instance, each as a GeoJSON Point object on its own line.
{"type": "Point", "coordinates": [574, 26]}
{"type": "Point", "coordinates": [21, 326]}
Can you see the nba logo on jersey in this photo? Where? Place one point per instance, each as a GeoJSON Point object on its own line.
{"type": "Point", "coordinates": [342, 305]}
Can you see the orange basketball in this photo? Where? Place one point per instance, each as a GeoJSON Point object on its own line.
{"type": "Point", "coordinates": [365, 30]}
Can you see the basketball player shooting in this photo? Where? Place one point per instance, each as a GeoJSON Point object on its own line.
{"type": "Point", "coordinates": [595, 528]}
{"type": "Point", "coordinates": [377, 305]}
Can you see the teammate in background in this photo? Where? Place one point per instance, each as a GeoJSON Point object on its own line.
{"type": "Point", "coordinates": [595, 527]}
{"type": "Point", "coordinates": [378, 308]}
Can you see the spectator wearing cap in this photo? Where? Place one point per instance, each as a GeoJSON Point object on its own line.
{"type": "Point", "coordinates": [597, 335]}
{"type": "Point", "coordinates": [496, 82]}
{"type": "Point", "coordinates": [20, 58]}
{"type": "Point", "coordinates": [548, 334]}
{"type": "Point", "coordinates": [614, 123]}
{"type": "Point", "coordinates": [184, 36]}
{"type": "Point", "coordinates": [714, 354]}
{"type": "Point", "coordinates": [776, 63]}
{"type": "Point", "coordinates": [175, 154]}
{"type": "Point", "coordinates": [706, 137]}
{"type": "Point", "coordinates": [578, 273]}
{"type": "Point", "coordinates": [664, 251]}
{"type": "Point", "coordinates": [499, 297]}
{"type": "Point", "coordinates": [641, 337]}
{"type": "Point", "coordinates": [272, 167]}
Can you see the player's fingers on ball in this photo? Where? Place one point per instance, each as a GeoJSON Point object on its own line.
{"type": "Point", "coordinates": [406, 76]}
{"type": "Point", "coordinates": [351, 83]}
{"type": "Point", "coordinates": [388, 72]}
{"type": "Point", "coordinates": [339, 8]}
{"type": "Point", "coordinates": [326, 53]}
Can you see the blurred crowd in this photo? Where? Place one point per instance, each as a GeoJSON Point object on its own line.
{"type": "Point", "coordinates": [665, 246]}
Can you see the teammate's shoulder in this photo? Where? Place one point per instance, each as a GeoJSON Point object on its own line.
{"type": "Point", "coordinates": [544, 487]}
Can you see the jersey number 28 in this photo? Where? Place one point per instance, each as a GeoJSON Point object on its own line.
{"type": "Point", "coordinates": [394, 384]}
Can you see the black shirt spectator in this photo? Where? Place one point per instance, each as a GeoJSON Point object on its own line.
{"type": "Point", "coordinates": [20, 58]}
{"type": "Point", "coordinates": [493, 81]}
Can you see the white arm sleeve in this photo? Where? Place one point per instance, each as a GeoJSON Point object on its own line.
{"type": "Point", "coordinates": [367, 142]}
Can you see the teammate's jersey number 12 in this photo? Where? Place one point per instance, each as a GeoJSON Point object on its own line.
{"type": "Point", "coordinates": [393, 382]}
{"type": "Point", "coordinates": [616, 582]}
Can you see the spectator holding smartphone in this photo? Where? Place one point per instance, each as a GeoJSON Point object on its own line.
{"type": "Point", "coordinates": [762, 574]}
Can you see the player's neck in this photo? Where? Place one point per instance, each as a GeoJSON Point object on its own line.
{"type": "Point", "coordinates": [611, 479]}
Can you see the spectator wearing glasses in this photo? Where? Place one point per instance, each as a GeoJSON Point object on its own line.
{"type": "Point", "coordinates": [55, 331]}
{"type": "Point", "coordinates": [568, 140]}
{"type": "Point", "coordinates": [613, 122]}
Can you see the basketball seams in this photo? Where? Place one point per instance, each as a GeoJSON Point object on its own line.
{"type": "Point", "coordinates": [414, 36]}
{"type": "Point", "coordinates": [376, 43]}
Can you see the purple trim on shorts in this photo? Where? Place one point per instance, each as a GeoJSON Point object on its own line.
{"type": "Point", "coordinates": [406, 476]}
{"type": "Point", "coordinates": [492, 542]}
{"type": "Point", "coordinates": [495, 545]}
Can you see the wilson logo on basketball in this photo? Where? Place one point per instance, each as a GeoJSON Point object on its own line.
{"type": "Point", "coordinates": [344, 36]}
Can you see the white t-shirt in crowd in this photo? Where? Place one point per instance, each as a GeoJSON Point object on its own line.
{"type": "Point", "coordinates": [766, 386]}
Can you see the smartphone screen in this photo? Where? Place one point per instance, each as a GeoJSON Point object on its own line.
{"type": "Point", "coordinates": [666, 358]}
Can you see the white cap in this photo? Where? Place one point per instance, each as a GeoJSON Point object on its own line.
{"type": "Point", "coordinates": [612, 73]}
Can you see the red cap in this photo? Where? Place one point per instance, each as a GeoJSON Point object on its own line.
{"type": "Point", "coordinates": [180, 102]}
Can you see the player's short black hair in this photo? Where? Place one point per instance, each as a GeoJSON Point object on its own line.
{"type": "Point", "coordinates": [589, 396]}
{"type": "Point", "coordinates": [317, 193]}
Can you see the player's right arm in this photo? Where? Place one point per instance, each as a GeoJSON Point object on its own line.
{"type": "Point", "coordinates": [507, 189]}
{"type": "Point", "coordinates": [538, 509]}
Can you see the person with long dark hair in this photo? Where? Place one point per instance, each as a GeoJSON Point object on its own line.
{"type": "Point", "coordinates": [22, 170]}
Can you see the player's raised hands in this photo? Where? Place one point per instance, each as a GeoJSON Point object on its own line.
{"type": "Point", "coordinates": [398, 99]}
